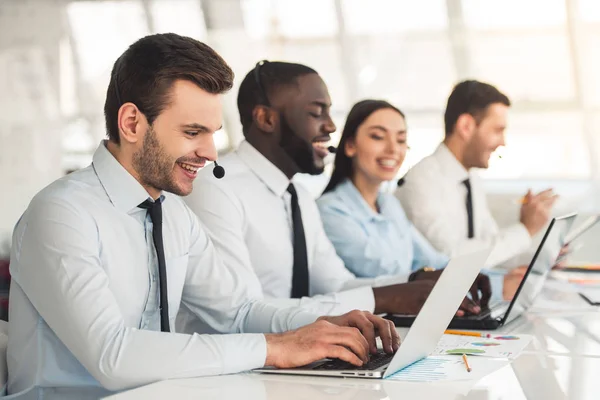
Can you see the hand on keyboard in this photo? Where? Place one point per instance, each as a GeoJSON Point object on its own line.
{"type": "Point", "coordinates": [370, 326]}
{"type": "Point", "coordinates": [375, 361]}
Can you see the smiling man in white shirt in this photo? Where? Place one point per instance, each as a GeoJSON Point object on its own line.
{"type": "Point", "coordinates": [103, 259]}
{"type": "Point", "coordinates": [442, 194]}
{"type": "Point", "coordinates": [269, 230]}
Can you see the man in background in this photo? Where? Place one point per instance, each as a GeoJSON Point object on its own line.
{"type": "Point", "coordinates": [445, 199]}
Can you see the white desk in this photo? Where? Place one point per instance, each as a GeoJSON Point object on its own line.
{"type": "Point", "coordinates": [531, 376]}
{"type": "Point", "coordinates": [562, 363]}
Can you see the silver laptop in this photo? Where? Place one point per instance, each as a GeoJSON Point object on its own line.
{"type": "Point", "coordinates": [423, 336]}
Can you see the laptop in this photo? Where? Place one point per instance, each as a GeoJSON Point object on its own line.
{"type": "Point", "coordinates": [503, 312]}
{"type": "Point", "coordinates": [427, 329]}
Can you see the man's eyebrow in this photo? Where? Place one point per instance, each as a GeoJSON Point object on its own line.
{"type": "Point", "coordinates": [320, 103]}
{"type": "Point", "coordinates": [199, 127]}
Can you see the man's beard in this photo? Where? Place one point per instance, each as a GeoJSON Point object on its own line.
{"type": "Point", "coordinates": [298, 150]}
{"type": "Point", "coordinates": [154, 166]}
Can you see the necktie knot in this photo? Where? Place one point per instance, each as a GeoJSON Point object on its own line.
{"type": "Point", "coordinates": [467, 183]}
{"type": "Point", "coordinates": [292, 190]}
{"type": "Point", "coordinates": [154, 209]}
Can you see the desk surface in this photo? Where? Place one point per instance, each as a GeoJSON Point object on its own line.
{"type": "Point", "coordinates": [531, 376]}
{"type": "Point", "coordinates": [563, 362]}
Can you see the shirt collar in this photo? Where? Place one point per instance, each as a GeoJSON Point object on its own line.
{"type": "Point", "coordinates": [450, 165]}
{"type": "Point", "coordinates": [347, 191]}
{"type": "Point", "coordinates": [123, 190]}
{"type": "Point", "coordinates": [264, 169]}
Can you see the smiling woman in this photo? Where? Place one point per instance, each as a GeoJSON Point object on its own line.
{"type": "Point", "coordinates": [368, 228]}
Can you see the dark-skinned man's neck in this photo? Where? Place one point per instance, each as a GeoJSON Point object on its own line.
{"type": "Point", "coordinates": [272, 152]}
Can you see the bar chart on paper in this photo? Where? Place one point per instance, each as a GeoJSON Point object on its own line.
{"type": "Point", "coordinates": [448, 368]}
{"type": "Point", "coordinates": [426, 370]}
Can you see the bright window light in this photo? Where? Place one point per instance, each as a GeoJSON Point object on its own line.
{"type": "Point", "coordinates": [494, 14]}
{"type": "Point", "coordinates": [366, 17]}
{"type": "Point", "coordinates": [589, 10]}
{"type": "Point", "coordinates": [290, 18]}
{"type": "Point", "coordinates": [103, 30]}
{"type": "Point", "coordinates": [563, 155]}
{"type": "Point", "coordinates": [184, 17]}
{"type": "Point", "coordinates": [416, 73]}
{"type": "Point", "coordinates": [526, 67]}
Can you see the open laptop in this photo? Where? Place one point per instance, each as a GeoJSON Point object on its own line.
{"type": "Point", "coordinates": [428, 327]}
{"type": "Point", "coordinates": [503, 312]}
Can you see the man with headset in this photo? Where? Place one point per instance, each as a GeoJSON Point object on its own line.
{"type": "Point", "coordinates": [104, 258]}
{"type": "Point", "coordinates": [267, 229]}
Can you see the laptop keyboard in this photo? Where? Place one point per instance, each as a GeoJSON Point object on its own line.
{"type": "Point", "coordinates": [375, 361]}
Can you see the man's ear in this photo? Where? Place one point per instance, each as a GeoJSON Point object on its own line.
{"type": "Point", "coordinates": [265, 118]}
{"type": "Point", "coordinates": [131, 123]}
{"type": "Point", "coordinates": [465, 126]}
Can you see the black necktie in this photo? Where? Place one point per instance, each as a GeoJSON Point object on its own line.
{"type": "Point", "coordinates": [469, 203]}
{"type": "Point", "coordinates": [300, 283]}
{"type": "Point", "coordinates": [155, 211]}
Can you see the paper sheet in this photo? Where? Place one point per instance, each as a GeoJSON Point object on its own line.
{"type": "Point", "coordinates": [448, 368]}
{"type": "Point", "coordinates": [500, 346]}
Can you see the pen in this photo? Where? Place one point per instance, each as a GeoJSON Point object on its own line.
{"type": "Point", "coordinates": [464, 357]}
{"type": "Point", "coordinates": [464, 333]}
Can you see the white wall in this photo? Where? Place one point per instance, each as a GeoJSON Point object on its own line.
{"type": "Point", "coordinates": [30, 139]}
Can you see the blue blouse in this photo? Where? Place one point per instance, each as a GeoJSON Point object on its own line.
{"type": "Point", "coordinates": [374, 244]}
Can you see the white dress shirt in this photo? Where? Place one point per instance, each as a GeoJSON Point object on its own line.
{"type": "Point", "coordinates": [84, 297]}
{"type": "Point", "coordinates": [434, 198]}
{"type": "Point", "coordinates": [248, 217]}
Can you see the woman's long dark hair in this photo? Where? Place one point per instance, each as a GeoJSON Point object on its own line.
{"type": "Point", "coordinates": [342, 167]}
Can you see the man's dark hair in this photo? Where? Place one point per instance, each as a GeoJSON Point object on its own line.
{"type": "Point", "coordinates": [471, 97]}
{"type": "Point", "coordinates": [272, 76]}
{"type": "Point", "coordinates": [146, 71]}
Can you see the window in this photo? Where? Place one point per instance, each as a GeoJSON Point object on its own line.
{"type": "Point", "coordinates": [377, 17]}
{"type": "Point", "coordinates": [185, 17]}
{"type": "Point", "coordinates": [103, 30]}
{"type": "Point", "coordinates": [414, 73]}
{"type": "Point", "coordinates": [290, 18]}
{"type": "Point", "coordinates": [589, 10]}
{"type": "Point", "coordinates": [532, 67]}
{"type": "Point", "coordinates": [563, 155]}
{"type": "Point", "coordinates": [503, 14]}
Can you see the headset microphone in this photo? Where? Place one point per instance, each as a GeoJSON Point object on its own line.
{"type": "Point", "coordinates": [332, 149]}
{"type": "Point", "coordinates": [218, 171]}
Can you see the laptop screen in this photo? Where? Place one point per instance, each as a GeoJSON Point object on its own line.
{"type": "Point", "coordinates": [544, 259]}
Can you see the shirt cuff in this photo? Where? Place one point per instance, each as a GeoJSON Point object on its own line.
{"type": "Point", "coordinates": [242, 352]}
{"type": "Point", "coordinates": [361, 298]}
{"type": "Point", "coordinates": [521, 233]}
{"type": "Point", "coordinates": [302, 319]}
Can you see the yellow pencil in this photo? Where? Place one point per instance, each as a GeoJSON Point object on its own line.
{"type": "Point", "coordinates": [466, 333]}
{"type": "Point", "coordinates": [464, 357]}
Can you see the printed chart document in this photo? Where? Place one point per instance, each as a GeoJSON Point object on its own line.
{"type": "Point", "coordinates": [449, 368]}
{"type": "Point", "coordinates": [498, 346]}
{"type": "Point", "coordinates": [445, 363]}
